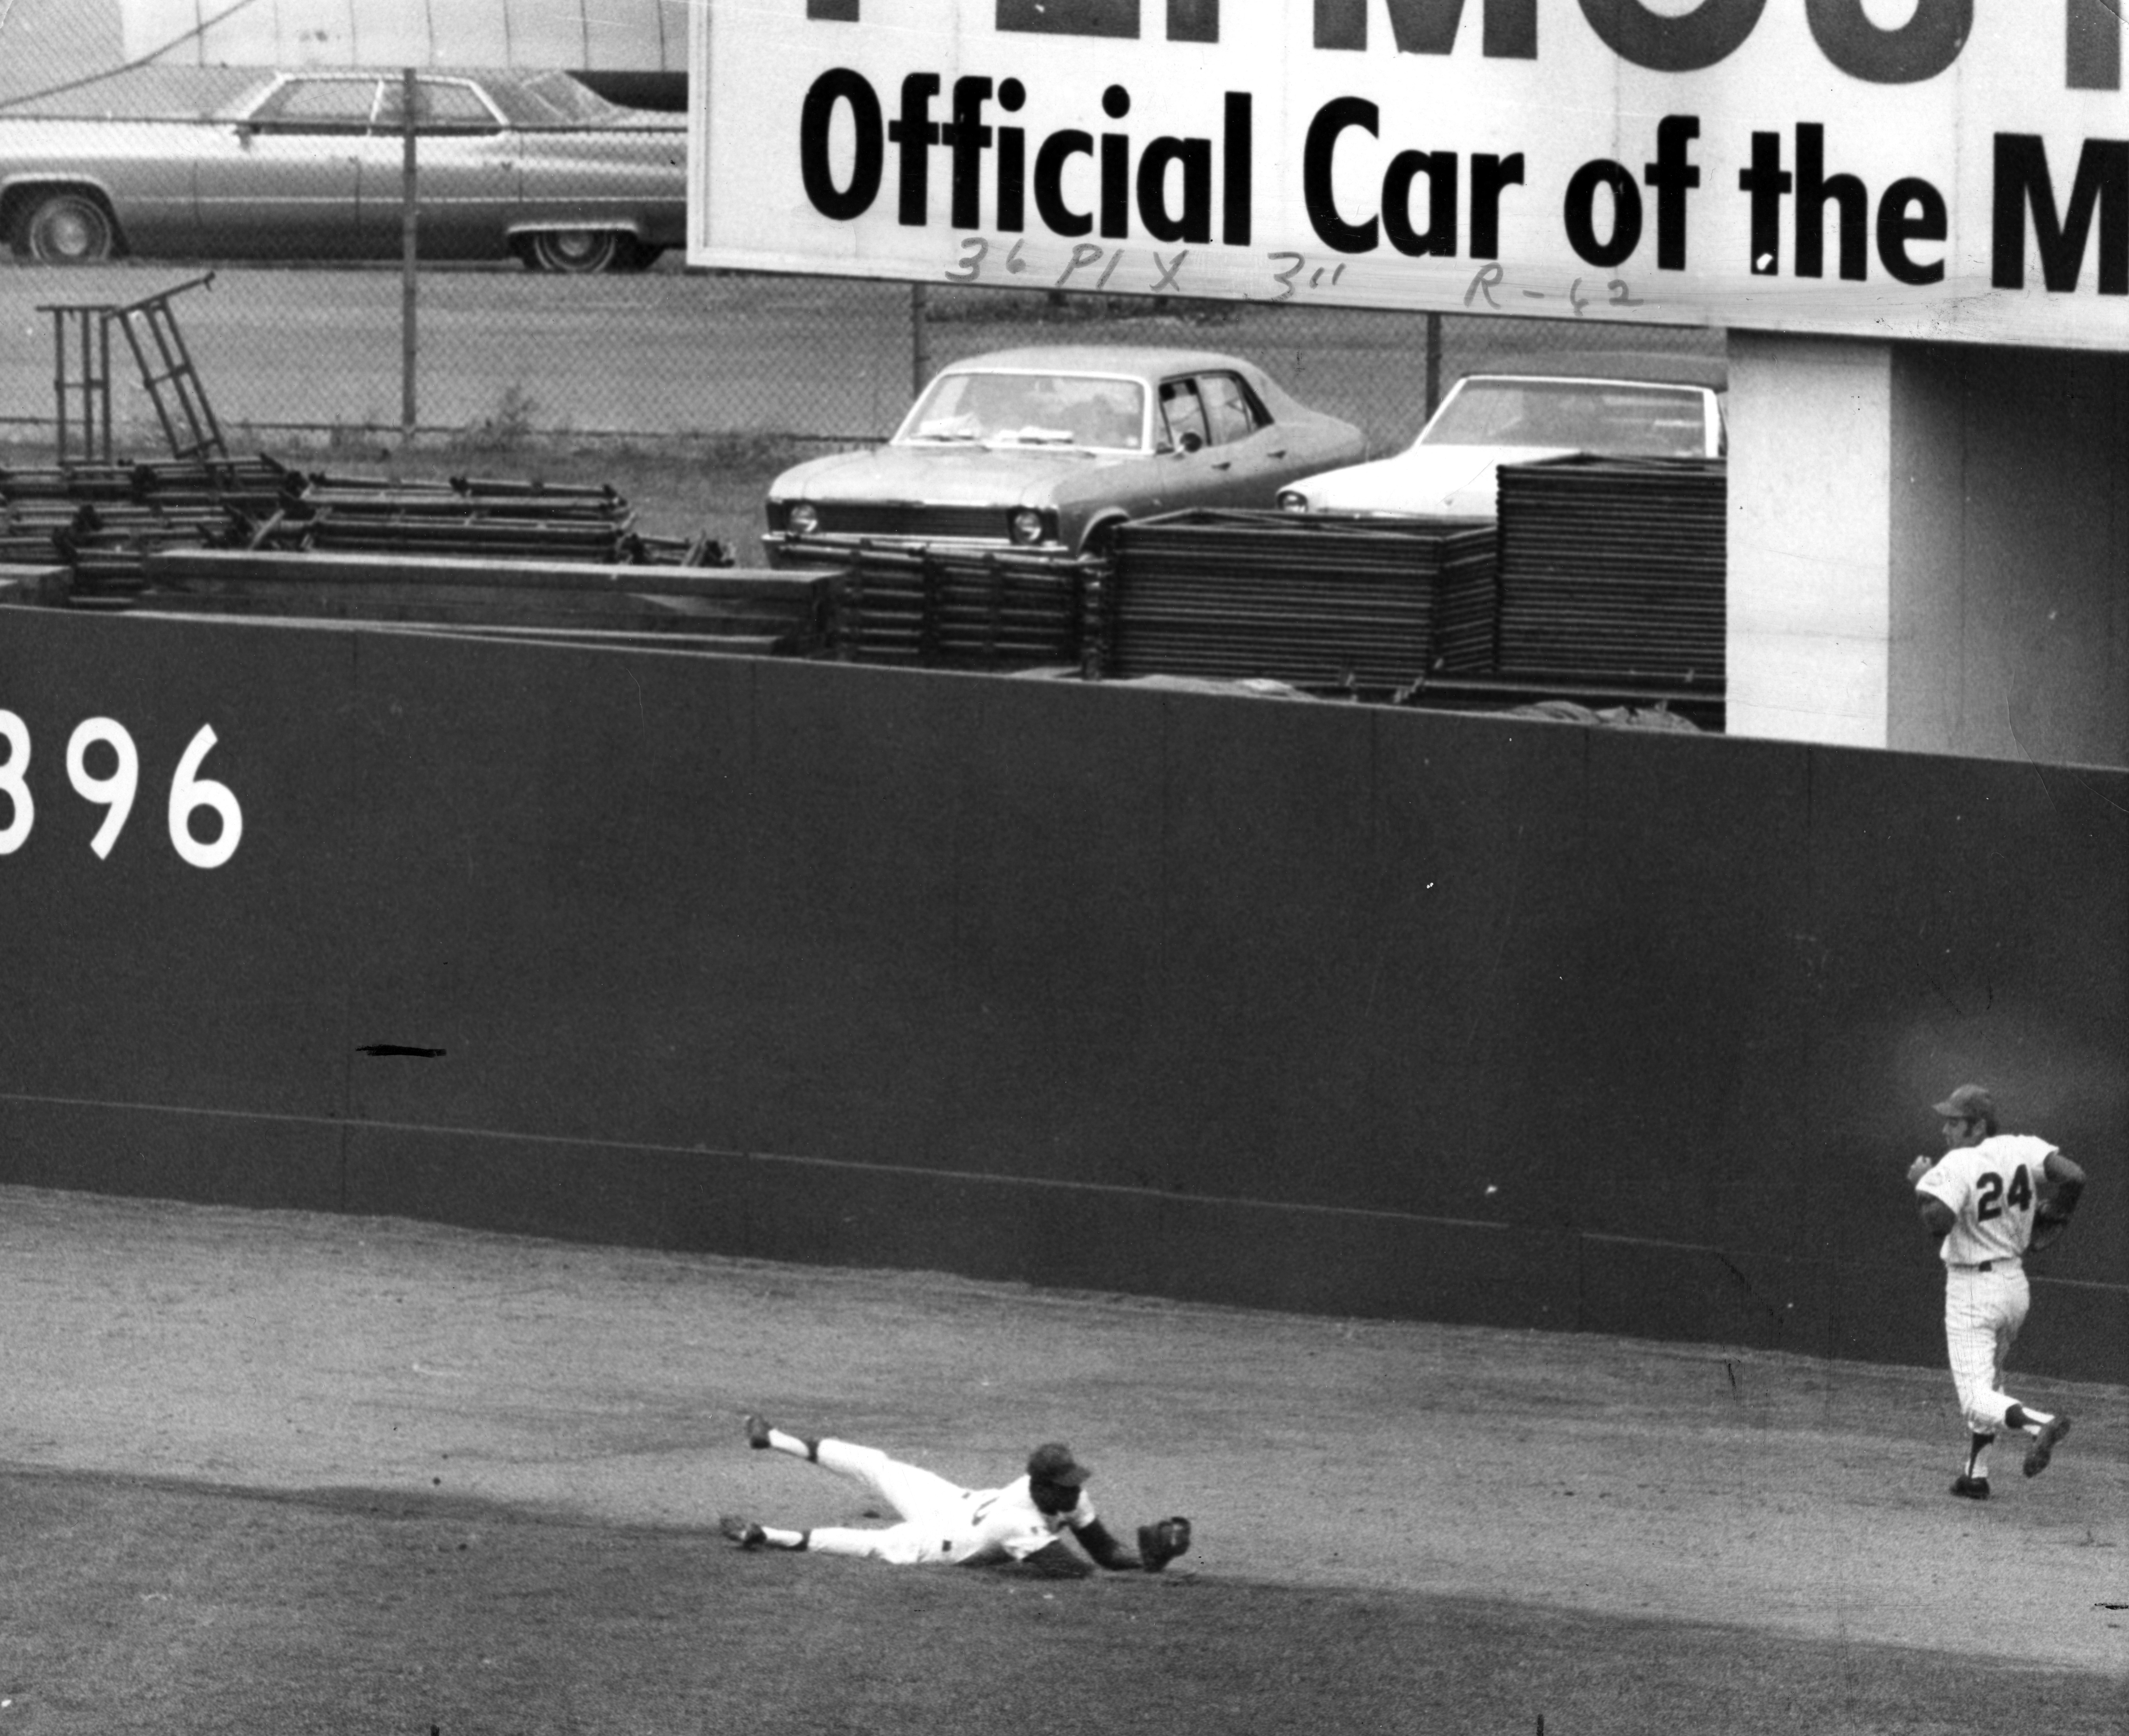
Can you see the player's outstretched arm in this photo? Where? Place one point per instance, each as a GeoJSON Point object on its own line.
{"type": "Point", "coordinates": [1107, 1550]}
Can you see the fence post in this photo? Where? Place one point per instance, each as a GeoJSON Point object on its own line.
{"type": "Point", "coordinates": [1433, 363]}
{"type": "Point", "coordinates": [409, 215]}
{"type": "Point", "coordinates": [920, 342]}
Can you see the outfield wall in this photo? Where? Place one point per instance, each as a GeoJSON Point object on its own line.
{"type": "Point", "coordinates": [1308, 1006]}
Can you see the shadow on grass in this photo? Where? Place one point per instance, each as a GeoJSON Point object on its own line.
{"type": "Point", "coordinates": [132, 1606]}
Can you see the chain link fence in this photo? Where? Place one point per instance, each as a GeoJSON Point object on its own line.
{"type": "Point", "coordinates": [669, 352]}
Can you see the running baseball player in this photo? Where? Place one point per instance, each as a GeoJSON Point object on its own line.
{"type": "Point", "coordinates": [939, 1521]}
{"type": "Point", "coordinates": [1990, 1198]}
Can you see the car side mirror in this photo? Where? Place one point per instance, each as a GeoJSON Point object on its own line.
{"type": "Point", "coordinates": [1188, 442]}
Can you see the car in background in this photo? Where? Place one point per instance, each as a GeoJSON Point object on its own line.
{"type": "Point", "coordinates": [1488, 420]}
{"type": "Point", "coordinates": [1050, 448]}
{"type": "Point", "coordinates": [310, 165]}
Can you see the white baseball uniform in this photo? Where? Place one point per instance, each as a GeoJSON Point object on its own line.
{"type": "Point", "coordinates": [939, 1521]}
{"type": "Point", "coordinates": [1991, 1189]}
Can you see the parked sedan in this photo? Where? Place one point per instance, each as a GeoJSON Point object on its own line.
{"type": "Point", "coordinates": [310, 165]}
{"type": "Point", "coordinates": [1051, 448]}
{"type": "Point", "coordinates": [1488, 420]}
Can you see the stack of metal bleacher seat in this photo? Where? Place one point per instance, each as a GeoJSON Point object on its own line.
{"type": "Point", "coordinates": [502, 557]}
{"type": "Point", "coordinates": [1357, 602]}
{"type": "Point", "coordinates": [1613, 571]}
{"type": "Point", "coordinates": [100, 520]}
{"type": "Point", "coordinates": [499, 519]}
{"type": "Point", "coordinates": [718, 609]}
{"type": "Point", "coordinates": [939, 606]}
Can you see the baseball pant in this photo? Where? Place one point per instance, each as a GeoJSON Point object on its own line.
{"type": "Point", "coordinates": [922, 1499]}
{"type": "Point", "coordinates": [1982, 1312]}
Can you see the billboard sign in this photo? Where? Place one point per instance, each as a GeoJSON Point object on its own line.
{"type": "Point", "coordinates": [1916, 169]}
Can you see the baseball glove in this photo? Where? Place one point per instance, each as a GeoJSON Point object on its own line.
{"type": "Point", "coordinates": [2050, 1220]}
{"type": "Point", "coordinates": [1162, 1541]}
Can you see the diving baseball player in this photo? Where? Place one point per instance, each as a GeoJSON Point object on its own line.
{"type": "Point", "coordinates": [1025, 1521]}
{"type": "Point", "coordinates": [1991, 1197]}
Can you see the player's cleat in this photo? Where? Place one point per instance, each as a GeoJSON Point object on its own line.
{"type": "Point", "coordinates": [2044, 1445]}
{"type": "Point", "coordinates": [757, 1431]}
{"type": "Point", "coordinates": [1970, 1488]}
{"type": "Point", "coordinates": [744, 1533]}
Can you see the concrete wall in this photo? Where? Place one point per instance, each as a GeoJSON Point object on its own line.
{"type": "Point", "coordinates": [1323, 1007]}
{"type": "Point", "coordinates": [1810, 554]}
{"type": "Point", "coordinates": [1929, 548]}
{"type": "Point", "coordinates": [2010, 570]}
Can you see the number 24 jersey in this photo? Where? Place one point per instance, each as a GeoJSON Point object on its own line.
{"type": "Point", "coordinates": [1991, 1188]}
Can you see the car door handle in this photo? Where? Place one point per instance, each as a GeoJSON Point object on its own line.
{"type": "Point", "coordinates": [1223, 464]}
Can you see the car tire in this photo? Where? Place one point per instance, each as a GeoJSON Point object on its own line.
{"type": "Point", "coordinates": [579, 252]}
{"type": "Point", "coordinates": [1100, 542]}
{"type": "Point", "coordinates": [65, 228]}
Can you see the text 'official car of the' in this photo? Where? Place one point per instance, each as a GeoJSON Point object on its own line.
{"type": "Point", "coordinates": [1051, 448]}
{"type": "Point", "coordinates": [311, 165]}
{"type": "Point", "coordinates": [1488, 420]}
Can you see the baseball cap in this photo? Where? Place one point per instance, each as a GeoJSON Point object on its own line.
{"type": "Point", "coordinates": [1969, 1103]}
{"type": "Point", "coordinates": [1052, 1463]}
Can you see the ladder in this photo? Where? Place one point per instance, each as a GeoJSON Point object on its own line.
{"type": "Point", "coordinates": [81, 376]}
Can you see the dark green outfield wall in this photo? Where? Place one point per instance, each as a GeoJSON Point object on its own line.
{"type": "Point", "coordinates": [1316, 1006]}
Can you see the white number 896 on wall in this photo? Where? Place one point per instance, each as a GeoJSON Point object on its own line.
{"type": "Point", "coordinates": [113, 789]}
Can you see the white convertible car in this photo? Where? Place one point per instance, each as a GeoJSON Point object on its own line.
{"type": "Point", "coordinates": [1488, 420]}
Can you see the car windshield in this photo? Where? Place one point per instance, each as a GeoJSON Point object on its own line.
{"type": "Point", "coordinates": [1029, 409]}
{"type": "Point", "coordinates": [1634, 421]}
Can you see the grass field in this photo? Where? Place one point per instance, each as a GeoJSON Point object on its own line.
{"type": "Point", "coordinates": [140, 1606]}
